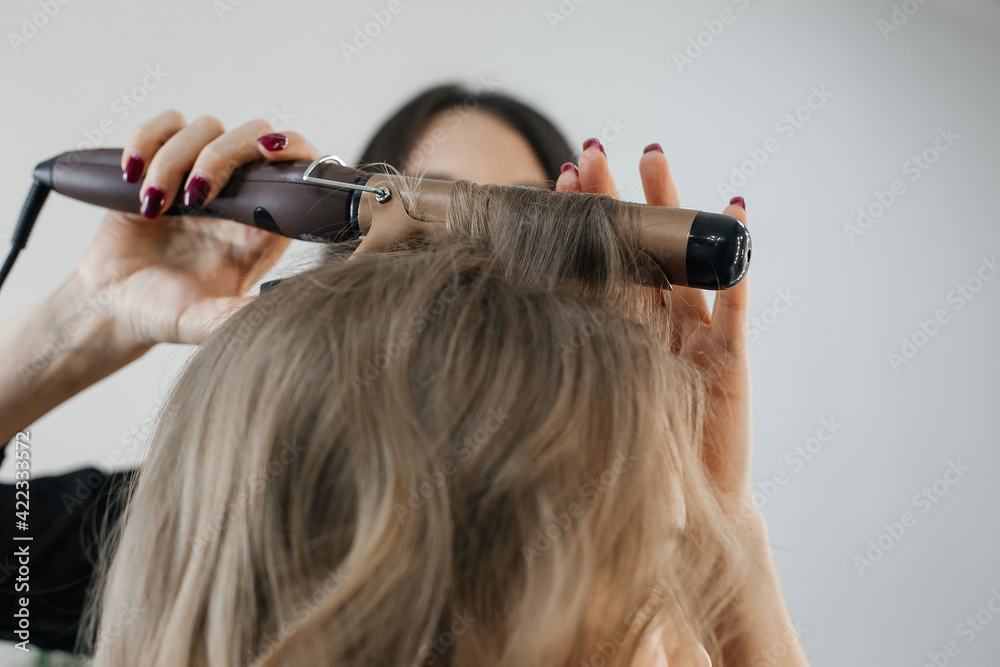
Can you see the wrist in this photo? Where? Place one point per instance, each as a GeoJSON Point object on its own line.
{"type": "Point", "coordinates": [759, 601]}
{"type": "Point", "coordinates": [75, 337]}
{"type": "Point", "coordinates": [84, 318]}
{"type": "Point", "coordinates": [57, 348]}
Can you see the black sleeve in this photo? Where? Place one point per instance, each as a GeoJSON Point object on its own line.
{"type": "Point", "coordinates": [68, 516]}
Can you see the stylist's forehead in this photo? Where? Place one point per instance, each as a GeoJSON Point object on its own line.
{"type": "Point", "coordinates": [459, 144]}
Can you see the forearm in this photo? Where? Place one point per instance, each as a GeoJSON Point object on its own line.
{"type": "Point", "coordinates": [770, 639]}
{"type": "Point", "coordinates": [56, 349]}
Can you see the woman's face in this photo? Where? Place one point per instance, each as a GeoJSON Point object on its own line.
{"type": "Point", "coordinates": [459, 144]}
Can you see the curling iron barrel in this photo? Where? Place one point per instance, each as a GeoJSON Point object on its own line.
{"type": "Point", "coordinates": [323, 201]}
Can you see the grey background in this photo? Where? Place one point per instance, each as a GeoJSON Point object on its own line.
{"type": "Point", "coordinates": [612, 65]}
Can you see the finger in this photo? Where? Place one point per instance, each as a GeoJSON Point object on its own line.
{"type": "Point", "coordinates": [173, 160]}
{"type": "Point", "coordinates": [247, 143]}
{"type": "Point", "coordinates": [595, 174]}
{"type": "Point", "coordinates": [217, 160]}
{"type": "Point", "coordinates": [660, 189]}
{"type": "Point", "coordinates": [569, 179]}
{"type": "Point", "coordinates": [286, 146]}
{"type": "Point", "coordinates": [657, 181]}
{"type": "Point", "coordinates": [730, 326]}
{"type": "Point", "coordinates": [202, 319]}
{"type": "Point", "coordinates": [145, 139]}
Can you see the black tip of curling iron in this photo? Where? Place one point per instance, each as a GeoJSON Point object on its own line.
{"type": "Point", "coordinates": [718, 251]}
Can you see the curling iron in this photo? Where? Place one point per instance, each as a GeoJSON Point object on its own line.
{"type": "Point", "coordinates": [327, 201]}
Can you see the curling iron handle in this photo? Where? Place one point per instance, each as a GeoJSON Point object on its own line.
{"type": "Point", "coordinates": [258, 196]}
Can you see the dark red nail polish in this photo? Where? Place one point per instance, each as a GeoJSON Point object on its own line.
{"type": "Point", "coordinates": [196, 192]}
{"type": "Point", "coordinates": [152, 202]}
{"type": "Point", "coordinates": [739, 201]}
{"type": "Point", "coordinates": [273, 142]}
{"type": "Point", "coordinates": [569, 165]}
{"type": "Point", "coordinates": [593, 142]}
{"type": "Point", "coordinates": [652, 147]}
{"type": "Point", "coordinates": [133, 169]}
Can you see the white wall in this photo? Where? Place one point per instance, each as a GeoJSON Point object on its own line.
{"type": "Point", "coordinates": [852, 300]}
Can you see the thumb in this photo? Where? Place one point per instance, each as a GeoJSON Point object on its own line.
{"type": "Point", "coordinates": [202, 319]}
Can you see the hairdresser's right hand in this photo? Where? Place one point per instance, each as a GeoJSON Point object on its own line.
{"type": "Point", "coordinates": [714, 339]}
{"type": "Point", "coordinates": [177, 278]}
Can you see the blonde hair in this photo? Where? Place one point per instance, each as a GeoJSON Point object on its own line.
{"type": "Point", "coordinates": [472, 453]}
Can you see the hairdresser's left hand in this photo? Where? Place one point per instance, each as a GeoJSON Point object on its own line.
{"type": "Point", "coordinates": [716, 340]}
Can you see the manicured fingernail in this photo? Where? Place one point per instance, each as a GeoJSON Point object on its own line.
{"type": "Point", "coordinates": [566, 167]}
{"type": "Point", "coordinates": [652, 147]}
{"type": "Point", "coordinates": [739, 202]}
{"type": "Point", "coordinates": [152, 202]}
{"type": "Point", "coordinates": [273, 142]}
{"type": "Point", "coordinates": [196, 192]}
{"type": "Point", "coordinates": [133, 169]}
{"type": "Point", "coordinates": [593, 142]}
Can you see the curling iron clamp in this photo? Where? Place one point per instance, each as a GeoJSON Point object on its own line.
{"type": "Point", "coordinates": [326, 201]}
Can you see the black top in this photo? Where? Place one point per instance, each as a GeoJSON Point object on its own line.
{"type": "Point", "coordinates": [68, 514]}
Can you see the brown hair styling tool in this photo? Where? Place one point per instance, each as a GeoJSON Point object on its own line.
{"type": "Point", "coordinates": [328, 201]}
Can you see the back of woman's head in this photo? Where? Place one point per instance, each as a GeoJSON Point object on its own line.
{"type": "Point", "coordinates": [423, 457]}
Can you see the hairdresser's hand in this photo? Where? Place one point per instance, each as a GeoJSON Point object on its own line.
{"type": "Point", "coordinates": [716, 340]}
{"type": "Point", "coordinates": [177, 278]}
